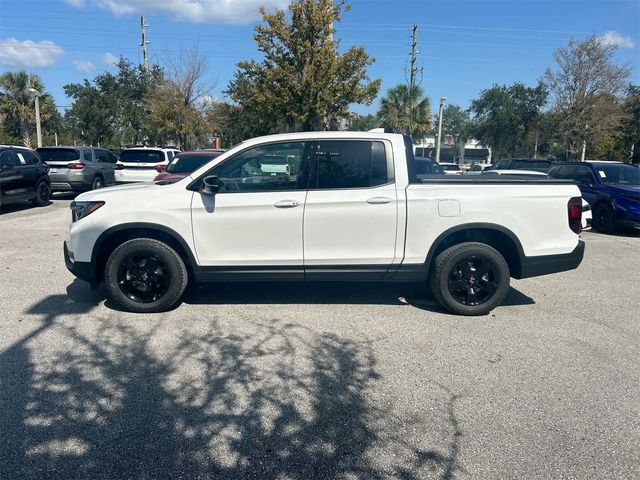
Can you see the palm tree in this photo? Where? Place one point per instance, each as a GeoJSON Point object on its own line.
{"type": "Point", "coordinates": [16, 101]}
{"type": "Point", "coordinates": [406, 110]}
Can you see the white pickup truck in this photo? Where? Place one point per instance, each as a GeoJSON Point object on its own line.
{"type": "Point", "coordinates": [351, 208]}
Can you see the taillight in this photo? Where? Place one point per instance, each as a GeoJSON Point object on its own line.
{"type": "Point", "coordinates": [574, 209]}
{"type": "Point", "coordinates": [160, 168]}
{"type": "Point", "coordinates": [118, 166]}
{"type": "Point", "coordinates": [76, 165]}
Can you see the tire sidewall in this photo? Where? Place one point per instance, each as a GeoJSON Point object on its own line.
{"type": "Point", "coordinates": [97, 183]}
{"type": "Point", "coordinates": [168, 256]}
{"type": "Point", "coordinates": [607, 225]}
{"type": "Point", "coordinates": [448, 260]}
{"type": "Point", "coordinates": [39, 200]}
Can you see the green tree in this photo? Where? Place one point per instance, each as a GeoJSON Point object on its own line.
{"type": "Point", "coordinates": [584, 84]}
{"type": "Point", "coordinates": [362, 123]}
{"type": "Point", "coordinates": [456, 123]}
{"type": "Point", "coordinates": [110, 109]}
{"type": "Point", "coordinates": [303, 83]}
{"type": "Point", "coordinates": [177, 102]}
{"type": "Point", "coordinates": [17, 107]}
{"type": "Point", "coordinates": [406, 110]}
{"type": "Point", "coordinates": [91, 117]}
{"type": "Point", "coordinates": [631, 124]}
{"type": "Point", "coordinates": [504, 116]}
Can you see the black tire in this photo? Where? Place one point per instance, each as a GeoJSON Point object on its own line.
{"type": "Point", "coordinates": [144, 275]}
{"type": "Point", "coordinates": [43, 193]}
{"type": "Point", "coordinates": [457, 286]}
{"type": "Point", "coordinates": [604, 218]}
{"type": "Point", "coordinates": [98, 182]}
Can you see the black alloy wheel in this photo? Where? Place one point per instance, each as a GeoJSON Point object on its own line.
{"type": "Point", "coordinates": [143, 277]}
{"type": "Point", "coordinates": [473, 280]}
{"type": "Point", "coordinates": [603, 218]}
{"type": "Point", "coordinates": [470, 278]}
{"type": "Point", "coordinates": [43, 194]}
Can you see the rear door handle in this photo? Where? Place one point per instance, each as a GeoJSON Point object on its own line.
{"type": "Point", "coordinates": [286, 204]}
{"type": "Point", "coordinates": [379, 200]}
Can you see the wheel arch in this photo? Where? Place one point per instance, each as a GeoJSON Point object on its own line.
{"type": "Point", "coordinates": [501, 238]}
{"type": "Point", "coordinates": [111, 238]}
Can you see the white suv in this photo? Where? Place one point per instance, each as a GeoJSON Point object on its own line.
{"type": "Point", "coordinates": [142, 164]}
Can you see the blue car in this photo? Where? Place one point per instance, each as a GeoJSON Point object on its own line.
{"type": "Point", "coordinates": [612, 189]}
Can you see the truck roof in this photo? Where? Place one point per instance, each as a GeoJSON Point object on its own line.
{"type": "Point", "coordinates": [321, 135]}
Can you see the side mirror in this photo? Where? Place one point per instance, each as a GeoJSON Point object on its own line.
{"type": "Point", "coordinates": [210, 185]}
{"type": "Point", "coordinates": [5, 166]}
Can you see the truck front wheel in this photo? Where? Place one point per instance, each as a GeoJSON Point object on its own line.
{"type": "Point", "coordinates": [470, 278]}
{"type": "Point", "coordinates": [145, 275]}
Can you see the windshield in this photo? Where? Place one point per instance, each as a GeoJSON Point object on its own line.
{"type": "Point", "coordinates": [619, 174]}
{"type": "Point", "coordinates": [189, 163]}
{"type": "Point", "coordinates": [142, 156]}
{"type": "Point", "coordinates": [450, 167]}
{"type": "Point", "coordinates": [58, 154]}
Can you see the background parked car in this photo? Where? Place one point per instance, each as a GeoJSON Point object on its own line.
{"type": "Point", "coordinates": [79, 169]}
{"type": "Point", "coordinates": [451, 168]}
{"type": "Point", "coordinates": [611, 188]}
{"type": "Point", "coordinates": [428, 166]}
{"type": "Point", "coordinates": [521, 164]}
{"type": "Point", "coordinates": [477, 168]}
{"type": "Point", "coordinates": [23, 176]}
{"type": "Point", "coordinates": [184, 163]}
{"type": "Point", "coordinates": [525, 173]}
{"type": "Point", "coordinates": [138, 164]}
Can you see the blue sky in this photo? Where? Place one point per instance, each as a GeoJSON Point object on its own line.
{"type": "Point", "coordinates": [464, 46]}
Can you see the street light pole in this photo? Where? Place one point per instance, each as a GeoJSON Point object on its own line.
{"type": "Point", "coordinates": [439, 139]}
{"type": "Point", "coordinates": [38, 130]}
{"type": "Point", "coordinates": [36, 93]}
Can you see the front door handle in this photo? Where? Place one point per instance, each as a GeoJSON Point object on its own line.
{"type": "Point", "coordinates": [286, 204]}
{"type": "Point", "coordinates": [379, 200]}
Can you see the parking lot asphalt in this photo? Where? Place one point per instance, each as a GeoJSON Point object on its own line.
{"type": "Point", "coordinates": [292, 381]}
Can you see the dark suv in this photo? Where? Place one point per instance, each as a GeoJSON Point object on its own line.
{"type": "Point", "coordinates": [23, 176]}
{"type": "Point", "coordinates": [521, 164]}
{"type": "Point", "coordinates": [612, 189]}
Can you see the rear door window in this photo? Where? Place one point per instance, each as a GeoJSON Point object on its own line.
{"type": "Point", "coordinates": [350, 164]}
{"type": "Point", "coordinates": [142, 156]}
{"type": "Point", "coordinates": [103, 156]}
{"type": "Point", "coordinates": [9, 157]}
{"type": "Point", "coordinates": [26, 157]}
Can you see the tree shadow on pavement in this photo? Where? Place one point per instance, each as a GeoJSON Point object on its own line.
{"type": "Point", "coordinates": [280, 401]}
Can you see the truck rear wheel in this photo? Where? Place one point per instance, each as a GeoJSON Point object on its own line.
{"type": "Point", "coordinates": [470, 278]}
{"type": "Point", "coordinates": [144, 275]}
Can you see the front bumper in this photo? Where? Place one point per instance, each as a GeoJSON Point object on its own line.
{"type": "Point", "coordinates": [83, 270]}
{"type": "Point", "coordinates": [546, 264]}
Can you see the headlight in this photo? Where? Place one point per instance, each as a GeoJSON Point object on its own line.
{"type": "Point", "coordinates": [82, 209]}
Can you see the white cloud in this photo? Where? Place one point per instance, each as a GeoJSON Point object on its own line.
{"type": "Point", "coordinates": [214, 11]}
{"type": "Point", "coordinates": [28, 54]}
{"type": "Point", "coordinates": [84, 66]}
{"type": "Point", "coordinates": [110, 58]}
{"type": "Point", "coordinates": [615, 39]}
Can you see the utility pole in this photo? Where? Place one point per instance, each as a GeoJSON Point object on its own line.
{"type": "Point", "coordinates": [439, 140]}
{"type": "Point", "coordinates": [144, 42]}
{"type": "Point", "coordinates": [414, 44]}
